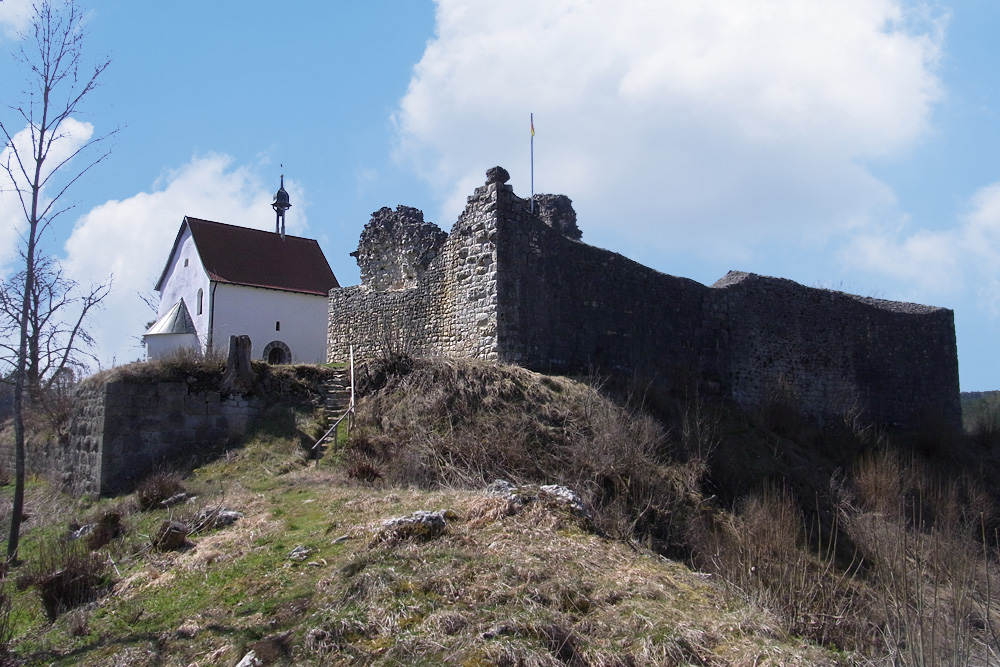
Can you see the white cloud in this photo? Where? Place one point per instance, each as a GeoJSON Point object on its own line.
{"type": "Point", "coordinates": [718, 124]}
{"type": "Point", "coordinates": [14, 17]}
{"type": "Point", "coordinates": [131, 238]}
{"type": "Point", "coordinates": [71, 135]}
{"type": "Point", "coordinates": [941, 261]}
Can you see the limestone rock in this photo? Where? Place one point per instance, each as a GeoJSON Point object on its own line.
{"type": "Point", "coordinates": [497, 175]}
{"type": "Point", "coordinates": [557, 212]}
{"type": "Point", "coordinates": [250, 660]}
{"type": "Point", "coordinates": [171, 536]}
{"type": "Point", "coordinates": [396, 247]}
{"type": "Point", "coordinates": [299, 553]}
{"type": "Point", "coordinates": [420, 525]}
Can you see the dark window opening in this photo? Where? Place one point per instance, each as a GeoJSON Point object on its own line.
{"type": "Point", "coordinates": [277, 326]}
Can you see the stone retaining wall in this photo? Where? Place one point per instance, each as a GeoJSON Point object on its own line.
{"type": "Point", "coordinates": [124, 425]}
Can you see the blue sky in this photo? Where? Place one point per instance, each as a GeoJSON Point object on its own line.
{"type": "Point", "coordinates": [852, 145]}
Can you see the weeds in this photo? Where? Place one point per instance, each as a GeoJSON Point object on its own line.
{"type": "Point", "coordinates": [156, 488]}
{"type": "Point", "coordinates": [65, 575]}
{"type": "Point", "coordinates": [438, 422]}
{"type": "Point", "coordinates": [107, 528]}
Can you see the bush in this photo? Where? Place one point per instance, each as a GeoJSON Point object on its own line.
{"type": "Point", "coordinates": [108, 527]}
{"type": "Point", "coordinates": [927, 560]}
{"type": "Point", "coordinates": [985, 427]}
{"type": "Point", "coordinates": [156, 488]}
{"type": "Point", "coordinates": [764, 552]}
{"type": "Point", "coordinates": [65, 575]}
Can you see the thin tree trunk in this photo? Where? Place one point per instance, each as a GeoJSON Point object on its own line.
{"type": "Point", "coordinates": [17, 509]}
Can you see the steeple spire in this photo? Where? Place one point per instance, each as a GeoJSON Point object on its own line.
{"type": "Point", "coordinates": [280, 205]}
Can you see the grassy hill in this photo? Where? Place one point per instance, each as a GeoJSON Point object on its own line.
{"type": "Point", "coordinates": [653, 567]}
{"type": "Point", "coordinates": [981, 415]}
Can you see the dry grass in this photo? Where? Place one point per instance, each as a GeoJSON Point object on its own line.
{"type": "Point", "coordinates": [930, 563]}
{"type": "Point", "coordinates": [157, 487]}
{"type": "Point", "coordinates": [463, 424]}
{"type": "Point", "coordinates": [528, 588]}
{"type": "Point", "coordinates": [65, 575]}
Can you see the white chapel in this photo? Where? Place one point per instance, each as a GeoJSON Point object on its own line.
{"type": "Point", "coordinates": [222, 280]}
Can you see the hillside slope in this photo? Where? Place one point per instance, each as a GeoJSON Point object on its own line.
{"type": "Point", "coordinates": [502, 584]}
{"type": "Point", "coordinates": [402, 548]}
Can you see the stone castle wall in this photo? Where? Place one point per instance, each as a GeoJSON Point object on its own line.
{"type": "Point", "coordinates": [831, 352]}
{"type": "Point", "coordinates": [450, 309]}
{"type": "Point", "coordinates": [127, 422]}
{"type": "Point", "coordinates": [517, 286]}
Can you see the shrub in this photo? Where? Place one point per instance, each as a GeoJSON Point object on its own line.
{"type": "Point", "coordinates": [926, 560]}
{"type": "Point", "coordinates": [65, 575]}
{"type": "Point", "coordinates": [764, 552]}
{"type": "Point", "coordinates": [108, 527]}
{"type": "Point", "coordinates": [985, 426]}
{"type": "Point", "coordinates": [156, 488]}
{"type": "Point", "coordinates": [6, 619]}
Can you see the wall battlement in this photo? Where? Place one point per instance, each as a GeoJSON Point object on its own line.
{"type": "Point", "coordinates": [517, 286]}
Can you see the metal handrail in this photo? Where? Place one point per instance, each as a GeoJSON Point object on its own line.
{"type": "Point", "coordinates": [347, 415]}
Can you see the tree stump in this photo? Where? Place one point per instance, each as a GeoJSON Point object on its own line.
{"type": "Point", "coordinates": [238, 377]}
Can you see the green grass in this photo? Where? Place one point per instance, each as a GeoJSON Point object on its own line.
{"type": "Point", "coordinates": [525, 581]}
{"type": "Point", "coordinates": [503, 585]}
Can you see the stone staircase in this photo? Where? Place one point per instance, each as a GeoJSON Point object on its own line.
{"type": "Point", "coordinates": [336, 401]}
{"type": "Point", "coordinates": [337, 393]}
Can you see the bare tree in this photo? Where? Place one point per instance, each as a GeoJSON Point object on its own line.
{"type": "Point", "coordinates": [57, 83]}
{"type": "Point", "coordinates": [58, 309]}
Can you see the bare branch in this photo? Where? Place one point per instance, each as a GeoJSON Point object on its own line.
{"type": "Point", "coordinates": [43, 310]}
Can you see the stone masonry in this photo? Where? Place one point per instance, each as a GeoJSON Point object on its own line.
{"type": "Point", "coordinates": [121, 428]}
{"type": "Point", "coordinates": [515, 286]}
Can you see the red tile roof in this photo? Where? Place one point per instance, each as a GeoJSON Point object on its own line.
{"type": "Point", "coordinates": [256, 258]}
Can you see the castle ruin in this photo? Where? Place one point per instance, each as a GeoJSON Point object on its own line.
{"type": "Point", "coordinates": [516, 286]}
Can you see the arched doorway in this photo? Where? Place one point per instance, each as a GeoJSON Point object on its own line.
{"type": "Point", "coordinates": [276, 352]}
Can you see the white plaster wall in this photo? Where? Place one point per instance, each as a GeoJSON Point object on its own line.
{"type": "Point", "coordinates": [159, 346]}
{"type": "Point", "coordinates": [253, 312]}
{"type": "Point", "coordinates": [184, 282]}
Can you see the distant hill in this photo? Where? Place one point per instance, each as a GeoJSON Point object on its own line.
{"type": "Point", "coordinates": [979, 404]}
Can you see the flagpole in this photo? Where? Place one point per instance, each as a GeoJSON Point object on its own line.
{"type": "Point", "coordinates": [532, 162]}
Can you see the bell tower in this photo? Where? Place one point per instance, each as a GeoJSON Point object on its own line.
{"type": "Point", "coordinates": [280, 205]}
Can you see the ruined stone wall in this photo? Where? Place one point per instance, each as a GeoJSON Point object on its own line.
{"type": "Point", "coordinates": [396, 248]}
{"type": "Point", "coordinates": [565, 306]}
{"type": "Point", "coordinates": [145, 424]}
{"type": "Point", "coordinates": [833, 353]}
{"type": "Point", "coordinates": [121, 429]}
{"type": "Point", "coordinates": [451, 309]}
{"type": "Point", "coordinates": [72, 459]}
{"type": "Point", "coordinates": [517, 286]}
